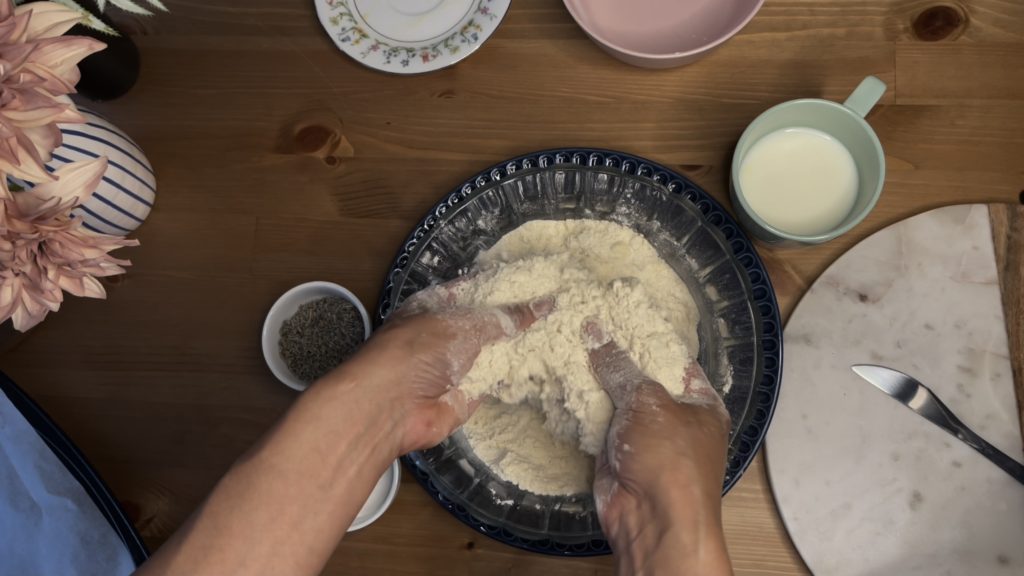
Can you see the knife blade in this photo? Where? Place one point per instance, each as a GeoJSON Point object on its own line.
{"type": "Point", "coordinates": [919, 398]}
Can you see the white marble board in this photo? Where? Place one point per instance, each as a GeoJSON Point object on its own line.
{"type": "Point", "coordinates": [866, 487]}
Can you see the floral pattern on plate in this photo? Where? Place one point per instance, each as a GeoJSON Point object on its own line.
{"type": "Point", "coordinates": [354, 37]}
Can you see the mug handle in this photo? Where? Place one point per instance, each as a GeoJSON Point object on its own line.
{"type": "Point", "coordinates": [865, 96]}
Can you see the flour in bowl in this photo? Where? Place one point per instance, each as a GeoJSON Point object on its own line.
{"type": "Point", "coordinates": [549, 409]}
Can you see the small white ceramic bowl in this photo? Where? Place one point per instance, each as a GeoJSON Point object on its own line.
{"type": "Point", "coordinates": [380, 499]}
{"type": "Point", "coordinates": [661, 33]}
{"type": "Point", "coordinates": [285, 308]}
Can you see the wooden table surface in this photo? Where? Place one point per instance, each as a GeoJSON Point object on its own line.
{"type": "Point", "coordinates": [164, 385]}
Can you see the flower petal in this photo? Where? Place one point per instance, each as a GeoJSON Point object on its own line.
{"type": "Point", "coordinates": [84, 286]}
{"type": "Point", "coordinates": [48, 19]}
{"type": "Point", "coordinates": [75, 181]}
{"type": "Point", "coordinates": [55, 61]}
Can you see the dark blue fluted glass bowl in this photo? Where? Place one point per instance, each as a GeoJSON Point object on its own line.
{"type": "Point", "coordinates": [739, 330]}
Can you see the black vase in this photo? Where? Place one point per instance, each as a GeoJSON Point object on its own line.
{"type": "Point", "coordinates": [109, 73]}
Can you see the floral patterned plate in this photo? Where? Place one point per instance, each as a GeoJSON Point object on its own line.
{"type": "Point", "coordinates": [410, 36]}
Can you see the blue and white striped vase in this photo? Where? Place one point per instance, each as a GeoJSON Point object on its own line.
{"type": "Point", "coordinates": [125, 196]}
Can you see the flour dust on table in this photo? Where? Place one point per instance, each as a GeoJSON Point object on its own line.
{"type": "Point", "coordinates": [547, 414]}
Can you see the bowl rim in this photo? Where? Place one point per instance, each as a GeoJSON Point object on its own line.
{"type": "Point", "coordinates": [737, 427]}
{"type": "Point", "coordinates": [269, 335]}
{"type": "Point", "coordinates": [754, 9]}
{"type": "Point", "coordinates": [765, 307]}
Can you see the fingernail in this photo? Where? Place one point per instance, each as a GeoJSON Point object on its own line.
{"type": "Point", "coordinates": [542, 307]}
{"type": "Point", "coordinates": [594, 335]}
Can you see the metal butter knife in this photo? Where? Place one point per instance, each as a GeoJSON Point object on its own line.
{"type": "Point", "coordinates": [920, 399]}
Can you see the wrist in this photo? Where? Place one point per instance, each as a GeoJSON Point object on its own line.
{"type": "Point", "coordinates": [362, 405]}
{"type": "Point", "coordinates": [678, 532]}
{"type": "Point", "coordinates": [673, 553]}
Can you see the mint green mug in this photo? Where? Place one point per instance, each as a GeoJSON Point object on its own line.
{"type": "Point", "coordinates": [845, 124]}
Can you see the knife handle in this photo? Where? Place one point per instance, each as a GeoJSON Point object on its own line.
{"type": "Point", "coordinates": [967, 436]}
{"type": "Point", "coordinates": [1011, 466]}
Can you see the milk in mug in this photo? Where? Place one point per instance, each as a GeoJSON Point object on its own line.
{"type": "Point", "coordinates": [799, 180]}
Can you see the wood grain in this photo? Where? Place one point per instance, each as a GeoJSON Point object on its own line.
{"type": "Point", "coordinates": [1008, 238]}
{"type": "Point", "coordinates": [280, 160]}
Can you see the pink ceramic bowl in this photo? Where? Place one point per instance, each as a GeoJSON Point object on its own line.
{"type": "Point", "coordinates": [661, 33]}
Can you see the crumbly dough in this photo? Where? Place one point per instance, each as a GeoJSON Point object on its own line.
{"type": "Point", "coordinates": [593, 269]}
{"type": "Point", "coordinates": [512, 440]}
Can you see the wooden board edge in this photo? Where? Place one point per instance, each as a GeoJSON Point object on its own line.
{"type": "Point", "coordinates": [1008, 238]}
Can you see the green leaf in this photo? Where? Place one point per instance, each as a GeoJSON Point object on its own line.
{"type": "Point", "coordinates": [131, 6]}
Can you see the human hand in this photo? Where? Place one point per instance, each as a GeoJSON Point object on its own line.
{"type": "Point", "coordinates": [658, 482]}
{"type": "Point", "coordinates": [417, 359]}
{"type": "Point", "coordinates": [398, 393]}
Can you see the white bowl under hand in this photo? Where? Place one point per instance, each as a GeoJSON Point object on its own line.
{"type": "Point", "coordinates": [380, 498]}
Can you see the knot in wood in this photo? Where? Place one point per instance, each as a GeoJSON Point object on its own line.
{"type": "Point", "coordinates": [940, 22]}
{"type": "Point", "coordinates": [313, 138]}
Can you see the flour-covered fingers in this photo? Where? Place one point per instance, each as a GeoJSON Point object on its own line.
{"type": "Point", "coordinates": [612, 367]}
{"type": "Point", "coordinates": [436, 298]}
{"type": "Point", "coordinates": [430, 299]}
{"type": "Point", "coordinates": [604, 482]}
{"type": "Point", "coordinates": [503, 322]}
{"type": "Point", "coordinates": [697, 389]}
{"type": "Point", "coordinates": [461, 408]}
{"type": "Point", "coordinates": [468, 330]}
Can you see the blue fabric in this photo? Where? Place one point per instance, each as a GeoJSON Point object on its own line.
{"type": "Point", "coordinates": [49, 524]}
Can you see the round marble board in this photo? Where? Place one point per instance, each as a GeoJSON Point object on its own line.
{"type": "Point", "coordinates": [866, 487]}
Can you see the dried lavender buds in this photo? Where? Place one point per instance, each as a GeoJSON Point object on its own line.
{"type": "Point", "coordinates": [319, 336]}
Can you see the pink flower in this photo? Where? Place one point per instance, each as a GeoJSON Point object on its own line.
{"type": "Point", "coordinates": [38, 68]}
{"type": "Point", "coordinates": [44, 252]}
